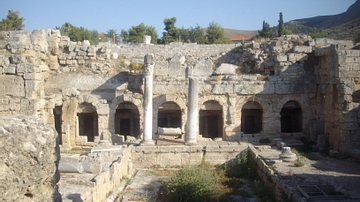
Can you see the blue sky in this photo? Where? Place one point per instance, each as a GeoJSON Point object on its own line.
{"type": "Point", "coordinates": [119, 14]}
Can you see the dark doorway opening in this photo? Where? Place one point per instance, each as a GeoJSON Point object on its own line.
{"type": "Point", "coordinates": [210, 120]}
{"type": "Point", "coordinates": [127, 120]}
{"type": "Point", "coordinates": [88, 121]}
{"type": "Point", "coordinates": [57, 111]}
{"type": "Point", "coordinates": [251, 118]}
{"type": "Point", "coordinates": [291, 117]}
{"type": "Point", "coordinates": [169, 115]}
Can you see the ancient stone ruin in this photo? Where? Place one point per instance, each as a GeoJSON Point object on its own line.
{"type": "Point", "coordinates": [289, 87]}
{"type": "Point", "coordinates": [29, 158]}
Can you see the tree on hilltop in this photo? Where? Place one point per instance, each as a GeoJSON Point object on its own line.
{"type": "Point", "coordinates": [112, 34]}
{"type": "Point", "coordinates": [281, 25]}
{"type": "Point", "coordinates": [357, 38]}
{"type": "Point", "coordinates": [136, 34]}
{"type": "Point", "coordinates": [215, 34]}
{"type": "Point", "coordinates": [266, 31]}
{"type": "Point", "coordinates": [171, 32]}
{"type": "Point", "coordinates": [197, 35]}
{"type": "Point", "coordinates": [12, 22]}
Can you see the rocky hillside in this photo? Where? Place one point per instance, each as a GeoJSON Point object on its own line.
{"type": "Point", "coordinates": [342, 26]}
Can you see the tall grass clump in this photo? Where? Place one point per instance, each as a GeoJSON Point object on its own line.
{"type": "Point", "coordinates": [198, 183]}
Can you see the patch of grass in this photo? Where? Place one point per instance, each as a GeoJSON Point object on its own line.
{"type": "Point", "coordinates": [192, 184]}
{"type": "Point", "coordinates": [165, 172]}
{"type": "Point", "coordinates": [272, 167]}
{"type": "Point", "coordinates": [298, 43]}
{"type": "Point", "coordinates": [136, 67]}
{"type": "Point", "coordinates": [262, 191]}
{"type": "Point", "coordinates": [240, 167]}
{"type": "Point", "coordinates": [299, 163]}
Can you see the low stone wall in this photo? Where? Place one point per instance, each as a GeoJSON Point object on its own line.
{"type": "Point", "coordinates": [89, 187]}
{"type": "Point", "coordinates": [176, 156]}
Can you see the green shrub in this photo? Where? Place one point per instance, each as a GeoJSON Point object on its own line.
{"type": "Point", "coordinates": [136, 67]}
{"type": "Point", "coordinates": [240, 167]}
{"type": "Point", "coordinates": [196, 184]}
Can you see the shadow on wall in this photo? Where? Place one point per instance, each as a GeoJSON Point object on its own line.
{"type": "Point", "coordinates": [272, 79]}
{"type": "Point", "coordinates": [123, 93]}
{"type": "Point", "coordinates": [74, 197]}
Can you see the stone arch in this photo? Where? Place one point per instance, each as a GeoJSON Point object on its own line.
{"type": "Point", "coordinates": [251, 117]}
{"type": "Point", "coordinates": [169, 115]}
{"type": "Point", "coordinates": [241, 101]}
{"type": "Point", "coordinates": [125, 98]}
{"type": "Point", "coordinates": [356, 96]}
{"type": "Point", "coordinates": [178, 100]}
{"type": "Point", "coordinates": [127, 119]}
{"type": "Point", "coordinates": [87, 121]}
{"type": "Point", "coordinates": [211, 119]}
{"type": "Point", "coordinates": [291, 117]}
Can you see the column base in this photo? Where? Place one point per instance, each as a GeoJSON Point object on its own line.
{"type": "Point", "coordinates": [147, 143]}
{"type": "Point", "coordinates": [190, 142]}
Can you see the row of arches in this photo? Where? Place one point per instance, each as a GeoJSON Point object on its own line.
{"type": "Point", "coordinates": [290, 118]}
{"type": "Point", "coordinates": [169, 114]}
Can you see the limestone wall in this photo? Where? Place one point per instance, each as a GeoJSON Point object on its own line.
{"type": "Point", "coordinates": [28, 160]}
{"type": "Point", "coordinates": [339, 91]}
{"type": "Point", "coordinates": [42, 70]}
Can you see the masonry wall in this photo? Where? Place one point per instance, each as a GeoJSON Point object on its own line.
{"type": "Point", "coordinates": [41, 70]}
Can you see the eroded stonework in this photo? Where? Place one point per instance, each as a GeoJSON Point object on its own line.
{"type": "Point", "coordinates": [288, 87]}
{"type": "Point", "coordinates": [29, 155]}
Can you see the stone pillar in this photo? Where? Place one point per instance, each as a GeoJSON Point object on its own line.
{"type": "Point", "coordinates": [192, 127]}
{"type": "Point", "coordinates": [148, 100]}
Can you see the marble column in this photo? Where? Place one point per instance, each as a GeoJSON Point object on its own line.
{"type": "Point", "coordinates": [192, 127]}
{"type": "Point", "coordinates": [148, 100]}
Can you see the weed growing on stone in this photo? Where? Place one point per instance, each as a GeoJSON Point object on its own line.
{"type": "Point", "coordinates": [300, 158]}
{"type": "Point", "coordinates": [128, 180]}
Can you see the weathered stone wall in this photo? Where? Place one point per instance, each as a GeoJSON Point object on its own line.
{"type": "Point", "coordinates": [29, 155]}
{"type": "Point", "coordinates": [338, 89]}
{"type": "Point", "coordinates": [41, 70]}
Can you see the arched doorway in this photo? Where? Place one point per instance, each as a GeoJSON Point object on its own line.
{"type": "Point", "coordinates": [210, 119]}
{"type": "Point", "coordinates": [88, 121]}
{"type": "Point", "coordinates": [169, 115]}
{"type": "Point", "coordinates": [251, 118]}
{"type": "Point", "coordinates": [127, 120]}
{"type": "Point", "coordinates": [291, 117]}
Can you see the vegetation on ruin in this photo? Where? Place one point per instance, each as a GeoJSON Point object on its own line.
{"type": "Point", "coordinates": [79, 33]}
{"type": "Point", "coordinates": [12, 22]}
{"type": "Point", "coordinates": [135, 67]}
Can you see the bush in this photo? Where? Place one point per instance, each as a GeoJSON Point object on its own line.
{"type": "Point", "coordinates": [240, 167]}
{"type": "Point", "coordinates": [192, 184]}
{"type": "Point", "coordinates": [136, 67]}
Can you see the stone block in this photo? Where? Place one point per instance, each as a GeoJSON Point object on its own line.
{"type": "Point", "coordinates": [17, 59]}
{"type": "Point", "coordinates": [281, 58]}
{"type": "Point", "coordinates": [302, 49]}
{"type": "Point", "coordinates": [32, 76]}
{"type": "Point", "coordinates": [9, 69]}
{"type": "Point", "coordinates": [4, 61]}
{"type": "Point", "coordinates": [294, 57]}
{"type": "Point", "coordinates": [54, 66]}
{"type": "Point", "coordinates": [226, 69]}
{"type": "Point", "coordinates": [13, 85]}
